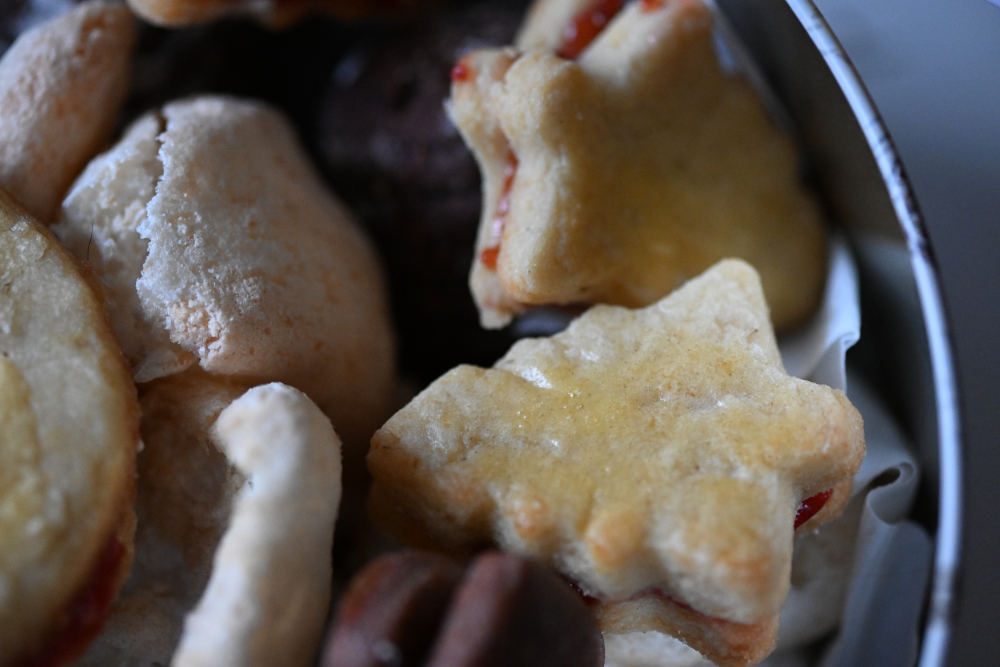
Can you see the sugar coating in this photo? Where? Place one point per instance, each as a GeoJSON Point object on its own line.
{"type": "Point", "coordinates": [99, 224]}
{"type": "Point", "coordinates": [238, 498]}
{"type": "Point", "coordinates": [61, 87]}
{"type": "Point", "coordinates": [269, 593]}
{"type": "Point", "coordinates": [186, 491]}
{"type": "Point", "coordinates": [638, 165]}
{"type": "Point", "coordinates": [248, 264]}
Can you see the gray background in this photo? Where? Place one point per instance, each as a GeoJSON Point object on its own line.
{"type": "Point", "coordinates": [933, 69]}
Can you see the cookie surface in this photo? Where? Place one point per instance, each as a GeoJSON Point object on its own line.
{"type": "Point", "coordinates": [225, 249]}
{"type": "Point", "coordinates": [238, 498]}
{"type": "Point", "coordinates": [70, 429]}
{"type": "Point", "coordinates": [184, 502]}
{"type": "Point", "coordinates": [662, 448]}
{"type": "Point", "coordinates": [61, 87]}
{"type": "Point", "coordinates": [615, 177]}
{"type": "Point", "coordinates": [268, 596]}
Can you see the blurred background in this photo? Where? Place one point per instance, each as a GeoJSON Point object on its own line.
{"type": "Point", "coordinates": [933, 70]}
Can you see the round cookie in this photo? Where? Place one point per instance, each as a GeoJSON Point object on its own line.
{"type": "Point", "coordinates": [70, 430]}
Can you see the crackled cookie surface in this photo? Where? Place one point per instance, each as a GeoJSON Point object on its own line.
{"type": "Point", "coordinates": [220, 246]}
{"type": "Point", "coordinates": [615, 176]}
{"type": "Point", "coordinates": [662, 449]}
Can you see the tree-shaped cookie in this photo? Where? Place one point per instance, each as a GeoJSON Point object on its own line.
{"type": "Point", "coordinates": [616, 176]}
{"type": "Point", "coordinates": [656, 457]}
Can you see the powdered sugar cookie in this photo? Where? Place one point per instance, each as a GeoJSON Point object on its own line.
{"type": "Point", "coordinates": [238, 498]}
{"type": "Point", "coordinates": [267, 599]}
{"type": "Point", "coordinates": [61, 87]}
{"type": "Point", "coordinates": [225, 249]}
{"type": "Point", "coordinates": [187, 487]}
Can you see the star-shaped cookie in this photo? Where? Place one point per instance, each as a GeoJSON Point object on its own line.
{"type": "Point", "coordinates": [660, 451]}
{"type": "Point", "coordinates": [616, 176]}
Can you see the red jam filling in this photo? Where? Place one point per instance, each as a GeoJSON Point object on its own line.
{"type": "Point", "coordinates": [578, 34]}
{"type": "Point", "coordinates": [650, 5]}
{"type": "Point", "coordinates": [461, 72]}
{"type": "Point", "coordinates": [586, 26]}
{"type": "Point", "coordinates": [807, 510]}
{"type": "Point", "coordinates": [86, 613]}
{"type": "Point", "coordinates": [810, 506]}
{"type": "Point", "coordinates": [489, 256]}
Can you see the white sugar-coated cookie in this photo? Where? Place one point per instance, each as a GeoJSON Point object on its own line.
{"type": "Point", "coordinates": [62, 85]}
{"type": "Point", "coordinates": [235, 519]}
{"type": "Point", "coordinates": [185, 496]}
{"type": "Point", "coordinates": [99, 225]}
{"type": "Point", "coordinates": [268, 596]}
{"type": "Point", "coordinates": [223, 248]}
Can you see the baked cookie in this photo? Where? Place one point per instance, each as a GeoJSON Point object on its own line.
{"type": "Point", "coordinates": [220, 246]}
{"type": "Point", "coordinates": [62, 85]}
{"type": "Point", "coordinates": [272, 12]}
{"type": "Point", "coordinates": [186, 490]}
{"type": "Point", "coordinates": [616, 171]}
{"type": "Point", "coordinates": [657, 457]}
{"type": "Point", "coordinates": [238, 497]}
{"type": "Point", "coordinates": [69, 431]}
{"type": "Point", "coordinates": [267, 599]}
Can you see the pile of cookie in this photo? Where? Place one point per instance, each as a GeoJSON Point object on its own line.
{"type": "Point", "coordinates": [209, 361]}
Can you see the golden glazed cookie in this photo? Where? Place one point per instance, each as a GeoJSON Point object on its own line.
{"type": "Point", "coordinates": [61, 87]}
{"type": "Point", "coordinates": [69, 430]}
{"type": "Point", "coordinates": [618, 175]}
{"type": "Point", "coordinates": [221, 246]}
{"type": "Point", "coordinates": [660, 453]}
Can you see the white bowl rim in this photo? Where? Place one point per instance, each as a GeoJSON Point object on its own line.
{"type": "Point", "coordinates": [947, 549]}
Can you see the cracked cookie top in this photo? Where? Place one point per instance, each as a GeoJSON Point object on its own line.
{"type": "Point", "coordinates": [221, 246]}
